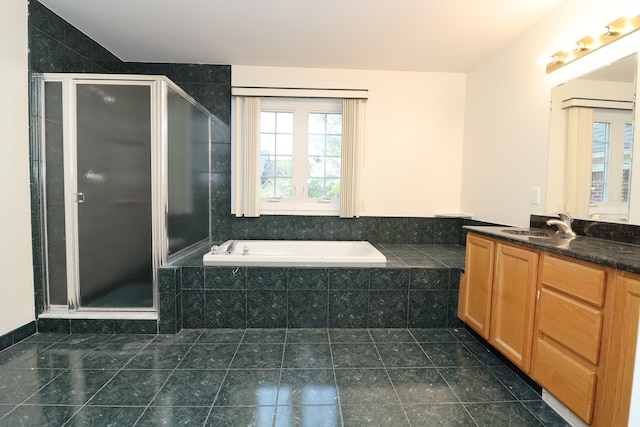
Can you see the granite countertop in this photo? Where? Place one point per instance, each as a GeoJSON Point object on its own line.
{"type": "Point", "coordinates": [623, 256]}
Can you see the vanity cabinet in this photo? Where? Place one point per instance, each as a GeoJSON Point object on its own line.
{"type": "Point", "coordinates": [497, 296]}
{"type": "Point", "coordinates": [573, 321]}
{"type": "Point", "coordinates": [571, 325]}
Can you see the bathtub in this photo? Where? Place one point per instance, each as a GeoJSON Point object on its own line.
{"type": "Point", "coordinates": [295, 253]}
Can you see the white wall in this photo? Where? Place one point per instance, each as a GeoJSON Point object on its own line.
{"type": "Point", "coordinates": [413, 135]}
{"type": "Point", "coordinates": [507, 114]}
{"type": "Point", "coordinates": [16, 279]}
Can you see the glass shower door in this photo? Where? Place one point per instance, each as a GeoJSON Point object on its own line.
{"type": "Point", "coordinates": [113, 140]}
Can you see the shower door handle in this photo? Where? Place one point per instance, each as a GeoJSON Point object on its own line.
{"type": "Point", "coordinates": [79, 197]}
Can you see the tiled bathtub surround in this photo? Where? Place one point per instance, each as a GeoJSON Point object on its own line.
{"type": "Point", "coordinates": [418, 288]}
{"type": "Point", "coordinates": [277, 377]}
{"type": "Point", "coordinates": [428, 230]}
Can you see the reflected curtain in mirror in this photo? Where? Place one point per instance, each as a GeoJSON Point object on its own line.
{"type": "Point", "coordinates": [579, 156]}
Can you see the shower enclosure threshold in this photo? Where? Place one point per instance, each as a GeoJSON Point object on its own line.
{"type": "Point", "coordinates": [111, 314]}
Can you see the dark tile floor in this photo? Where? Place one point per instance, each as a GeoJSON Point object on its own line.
{"type": "Point", "coordinates": [256, 377]}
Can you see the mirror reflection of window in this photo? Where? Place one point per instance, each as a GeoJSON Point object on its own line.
{"type": "Point", "coordinates": [600, 162]}
{"type": "Point", "coordinates": [626, 166]}
{"type": "Point", "coordinates": [611, 164]}
{"type": "Point", "coordinates": [580, 175]}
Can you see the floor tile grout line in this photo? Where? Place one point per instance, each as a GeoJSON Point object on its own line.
{"type": "Point", "coordinates": [215, 398]}
{"type": "Point", "coordinates": [110, 379]}
{"type": "Point", "coordinates": [488, 367]}
{"type": "Point", "coordinates": [421, 348]}
{"type": "Point", "coordinates": [335, 378]}
{"type": "Point", "coordinates": [167, 379]}
{"type": "Point", "coordinates": [516, 397]}
{"type": "Point", "coordinates": [284, 349]}
{"type": "Point", "coordinates": [386, 371]}
{"type": "Point", "coordinates": [466, 342]}
{"type": "Point", "coordinates": [531, 412]}
{"type": "Point", "coordinates": [62, 371]}
{"type": "Point", "coordinates": [443, 378]}
{"type": "Point", "coordinates": [457, 397]}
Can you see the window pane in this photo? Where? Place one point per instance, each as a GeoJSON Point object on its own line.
{"type": "Point", "coordinates": [267, 166]}
{"type": "Point", "coordinates": [626, 165]}
{"type": "Point", "coordinates": [267, 188]}
{"type": "Point", "coordinates": [316, 188]}
{"type": "Point", "coordinates": [321, 188]}
{"type": "Point", "coordinates": [283, 166]}
{"type": "Point", "coordinates": [325, 150]}
{"type": "Point", "coordinates": [268, 121]}
{"type": "Point", "coordinates": [317, 123]}
{"type": "Point", "coordinates": [276, 149]}
{"type": "Point", "coordinates": [283, 187]}
{"type": "Point", "coordinates": [334, 124]}
{"type": "Point", "coordinates": [334, 145]}
{"type": "Point", "coordinates": [284, 144]}
{"type": "Point", "coordinates": [316, 167]}
{"type": "Point", "coordinates": [332, 167]}
{"type": "Point", "coordinates": [599, 162]}
{"type": "Point", "coordinates": [316, 145]}
{"type": "Point", "coordinates": [268, 144]}
{"type": "Point", "coordinates": [332, 188]}
{"type": "Point", "coordinates": [284, 123]}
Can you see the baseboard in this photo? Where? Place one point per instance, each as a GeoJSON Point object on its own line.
{"type": "Point", "coordinates": [17, 335]}
{"type": "Point", "coordinates": [562, 410]}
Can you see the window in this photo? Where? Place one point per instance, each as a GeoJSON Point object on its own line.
{"type": "Point", "coordinates": [611, 163]}
{"type": "Point", "coordinates": [300, 155]}
{"type": "Point", "coordinates": [626, 166]}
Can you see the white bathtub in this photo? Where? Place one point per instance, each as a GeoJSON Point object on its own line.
{"type": "Point", "coordinates": [295, 253]}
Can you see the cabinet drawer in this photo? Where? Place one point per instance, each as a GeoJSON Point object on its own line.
{"type": "Point", "coordinates": [567, 380]}
{"type": "Point", "coordinates": [571, 323]}
{"type": "Point", "coordinates": [578, 280]}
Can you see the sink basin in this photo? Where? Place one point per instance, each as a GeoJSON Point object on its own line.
{"type": "Point", "coordinates": [531, 233]}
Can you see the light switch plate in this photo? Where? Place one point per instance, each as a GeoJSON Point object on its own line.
{"type": "Point", "coordinates": [534, 196]}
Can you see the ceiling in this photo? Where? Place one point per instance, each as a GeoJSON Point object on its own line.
{"type": "Point", "coordinates": [408, 35]}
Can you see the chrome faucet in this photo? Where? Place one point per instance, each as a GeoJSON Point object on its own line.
{"type": "Point", "coordinates": [231, 246]}
{"type": "Point", "coordinates": [563, 224]}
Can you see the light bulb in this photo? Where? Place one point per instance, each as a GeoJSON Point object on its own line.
{"type": "Point", "coordinates": [610, 30]}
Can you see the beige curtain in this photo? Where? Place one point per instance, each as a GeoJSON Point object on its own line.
{"type": "Point", "coordinates": [247, 156]}
{"type": "Point", "coordinates": [352, 138]}
{"type": "Point", "coordinates": [579, 157]}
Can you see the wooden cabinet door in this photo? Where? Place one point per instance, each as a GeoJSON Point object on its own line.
{"type": "Point", "coordinates": [474, 307]}
{"type": "Point", "coordinates": [513, 303]}
{"type": "Point", "coordinates": [628, 312]}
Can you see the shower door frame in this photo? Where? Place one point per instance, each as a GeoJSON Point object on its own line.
{"type": "Point", "coordinates": [159, 191]}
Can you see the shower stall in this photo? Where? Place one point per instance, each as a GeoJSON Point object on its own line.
{"type": "Point", "coordinates": [124, 173]}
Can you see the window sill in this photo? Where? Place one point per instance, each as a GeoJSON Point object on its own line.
{"type": "Point", "coordinates": [309, 208]}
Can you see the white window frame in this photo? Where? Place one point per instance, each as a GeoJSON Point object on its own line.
{"type": "Point", "coordinates": [300, 203]}
{"type": "Point", "coordinates": [245, 140]}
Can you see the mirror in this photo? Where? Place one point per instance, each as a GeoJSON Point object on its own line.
{"type": "Point", "coordinates": [592, 145]}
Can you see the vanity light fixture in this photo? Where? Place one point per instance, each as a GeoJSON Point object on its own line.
{"type": "Point", "coordinates": [610, 33]}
